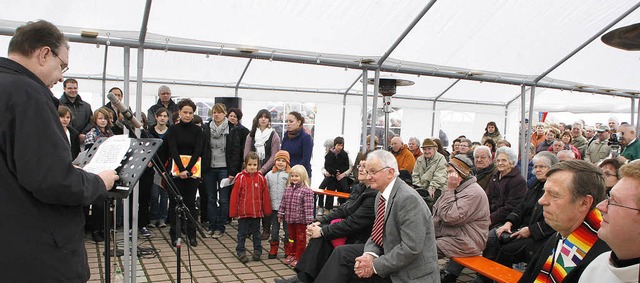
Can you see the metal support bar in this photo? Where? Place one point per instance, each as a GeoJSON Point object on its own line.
{"type": "Point", "coordinates": [435, 100]}
{"type": "Point", "coordinates": [633, 112]}
{"type": "Point", "coordinates": [405, 32]}
{"type": "Point", "coordinates": [242, 76]}
{"type": "Point", "coordinates": [365, 83]}
{"type": "Point", "coordinates": [374, 110]}
{"type": "Point", "coordinates": [583, 45]}
{"type": "Point", "coordinates": [523, 151]}
{"type": "Point", "coordinates": [104, 73]}
{"type": "Point", "coordinates": [344, 102]}
{"type": "Point", "coordinates": [145, 22]}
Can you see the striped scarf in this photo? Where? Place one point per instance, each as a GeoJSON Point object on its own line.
{"type": "Point", "coordinates": [574, 249]}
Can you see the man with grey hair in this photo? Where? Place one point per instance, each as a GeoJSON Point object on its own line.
{"type": "Point", "coordinates": [613, 124]}
{"type": "Point", "coordinates": [402, 246]}
{"type": "Point", "coordinates": [164, 101]}
{"type": "Point", "coordinates": [483, 167]}
{"type": "Point", "coordinates": [571, 192]}
{"type": "Point", "coordinates": [404, 158]}
{"type": "Point", "coordinates": [42, 193]}
{"type": "Point", "coordinates": [628, 139]}
{"type": "Point", "coordinates": [577, 139]}
{"type": "Point", "coordinates": [565, 155]}
{"type": "Point", "coordinates": [590, 134]}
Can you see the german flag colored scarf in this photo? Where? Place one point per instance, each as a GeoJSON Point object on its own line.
{"type": "Point", "coordinates": [574, 249]}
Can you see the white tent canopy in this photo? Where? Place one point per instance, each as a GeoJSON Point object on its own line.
{"type": "Point", "coordinates": [467, 56]}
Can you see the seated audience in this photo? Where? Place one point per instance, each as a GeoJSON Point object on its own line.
{"type": "Point", "coordinates": [430, 171]}
{"type": "Point", "coordinates": [460, 217]}
{"type": "Point", "coordinates": [539, 135]}
{"type": "Point", "coordinates": [405, 159]}
{"type": "Point", "coordinates": [441, 149]}
{"type": "Point", "coordinates": [525, 227]}
{"type": "Point", "coordinates": [413, 147]}
{"type": "Point", "coordinates": [483, 168]}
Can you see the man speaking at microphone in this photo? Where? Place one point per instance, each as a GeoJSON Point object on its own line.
{"type": "Point", "coordinates": [41, 192]}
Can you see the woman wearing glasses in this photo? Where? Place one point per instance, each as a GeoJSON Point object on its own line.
{"type": "Point", "coordinates": [610, 169]}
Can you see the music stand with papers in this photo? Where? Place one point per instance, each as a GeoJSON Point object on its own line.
{"type": "Point", "coordinates": [129, 158]}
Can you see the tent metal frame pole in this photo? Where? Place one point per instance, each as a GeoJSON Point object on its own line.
{"type": "Point", "coordinates": [638, 119]}
{"type": "Point", "coordinates": [284, 89]}
{"type": "Point", "coordinates": [433, 108]}
{"type": "Point", "coordinates": [126, 97]}
{"type": "Point", "coordinates": [312, 60]}
{"type": "Point", "coordinates": [374, 110]}
{"type": "Point", "coordinates": [633, 112]}
{"type": "Point", "coordinates": [344, 102]}
{"type": "Point", "coordinates": [365, 82]}
{"type": "Point", "coordinates": [404, 34]}
{"type": "Point", "coordinates": [104, 73]}
{"type": "Point", "coordinates": [523, 157]}
{"type": "Point", "coordinates": [583, 45]}
{"type": "Point", "coordinates": [242, 76]}
{"type": "Point", "coordinates": [506, 119]}
{"type": "Point", "coordinates": [145, 22]}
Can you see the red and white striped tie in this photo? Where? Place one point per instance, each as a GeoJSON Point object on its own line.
{"type": "Point", "coordinates": [376, 233]}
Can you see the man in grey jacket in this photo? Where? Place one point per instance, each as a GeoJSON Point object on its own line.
{"type": "Point", "coordinates": [402, 245]}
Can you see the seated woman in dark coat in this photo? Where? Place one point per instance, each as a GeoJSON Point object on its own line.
{"type": "Point", "coordinates": [357, 216]}
{"type": "Point", "coordinates": [525, 224]}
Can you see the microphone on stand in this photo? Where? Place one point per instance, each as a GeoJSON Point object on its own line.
{"type": "Point", "coordinates": [124, 110]}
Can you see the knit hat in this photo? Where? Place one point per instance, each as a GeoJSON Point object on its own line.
{"type": "Point", "coordinates": [462, 164]}
{"type": "Point", "coordinates": [284, 155]}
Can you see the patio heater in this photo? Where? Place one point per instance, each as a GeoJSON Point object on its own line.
{"type": "Point", "coordinates": [387, 88]}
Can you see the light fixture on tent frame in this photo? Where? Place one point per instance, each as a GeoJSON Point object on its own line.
{"type": "Point", "coordinates": [387, 88]}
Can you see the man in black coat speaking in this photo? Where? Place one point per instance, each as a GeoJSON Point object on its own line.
{"type": "Point", "coordinates": [41, 193]}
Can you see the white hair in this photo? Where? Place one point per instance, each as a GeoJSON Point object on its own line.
{"type": "Point", "coordinates": [511, 153]}
{"type": "Point", "coordinates": [386, 160]}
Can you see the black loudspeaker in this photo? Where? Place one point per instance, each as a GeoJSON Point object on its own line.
{"type": "Point", "coordinates": [230, 102]}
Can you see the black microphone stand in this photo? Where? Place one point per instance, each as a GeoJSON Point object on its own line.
{"type": "Point", "coordinates": [181, 210]}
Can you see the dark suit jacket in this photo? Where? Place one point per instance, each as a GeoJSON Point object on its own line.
{"type": "Point", "coordinates": [357, 213]}
{"type": "Point", "coordinates": [409, 253]}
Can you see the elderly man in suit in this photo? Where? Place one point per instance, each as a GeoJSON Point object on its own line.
{"type": "Point", "coordinates": [402, 246]}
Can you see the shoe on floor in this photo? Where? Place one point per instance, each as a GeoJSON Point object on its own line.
{"type": "Point", "coordinates": [243, 258]}
{"type": "Point", "coordinates": [217, 234]}
{"type": "Point", "coordinates": [255, 257]}
{"type": "Point", "coordinates": [97, 236]}
{"type": "Point", "coordinates": [193, 242]}
{"type": "Point", "coordinates": [162, 224]}
{"type": "Point", "coordinates": [292, 279]}
{"type": "Point", "coordinates": [144, 232]}
{"type": "Point", "coordinates": [152, 225]}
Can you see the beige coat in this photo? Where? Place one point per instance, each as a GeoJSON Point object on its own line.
{"type": "Point", "coordinates": [461, 220]}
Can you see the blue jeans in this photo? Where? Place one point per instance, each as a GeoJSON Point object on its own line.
{"type": "Point", "coordinates": [159, 211]}
{"type": "Point", "coordinates": [246, 227]}
{"type": "Point", "coordinates": [218, 205]}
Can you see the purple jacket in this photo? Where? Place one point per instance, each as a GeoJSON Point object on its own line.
{"type": "Point", "coordinates": [300, 149]}
{"type": "Point", "coordinates": [297, 205]}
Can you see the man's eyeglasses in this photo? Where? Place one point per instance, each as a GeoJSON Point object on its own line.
{"type": "Point", "coordinates": [609, 202]}
{"type": "Point", "coordinates": [63, 66]}
{"type": "Point", "coordinates": [371, 173]}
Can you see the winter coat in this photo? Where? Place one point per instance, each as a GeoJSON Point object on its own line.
{"type": "Point", "coordinates": [81, 113]}
{"type": "Point", "coordinates": [271, 146]}
{"type": "Point", "coordinates": [537, 139]}
{"type": "Point", "coordinates": [233, 154]}
{"type": "Point", "coordinates": [277, 185]}
{"type": "Point", "coordinates": [335, 163]}
{"type": "Point", "coordinates": [300, 148]}
{"type": "Point", "coordinates": [297, 205]}
{"type": "Point", "coordinates": [495, 136]}
{"type": "Point", "coordinates": [250, 196]}
{"type": "Point", "coordinates": [357, 215]}
{"type": "Point", "coordinates": [172, 107]}
{"type": "Point", "coordinates": [461, 220]}
{"type": "Point", "coordinates": [529, 214]}
{"type": "Point", "coordinates": [405, 159]}
{"type": "Point", "coordinates": [505, 194]}
{"type": "Point", "coordinates": [484, 175]}
{"type": "Point", "coordinates": [430, 173]}
{"type": "Point", "coordinates": [597, 151]}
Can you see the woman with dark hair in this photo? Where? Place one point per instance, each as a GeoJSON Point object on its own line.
{"type": "Point", "coordinates": [441, 149]}
{"type": "Point", "coordinates": [239, 136]}
{"type": "Point", "coordinates": [263, 140]}
{"type": "Point", "coordinates": [72, 135]}
{"type": "Point", "coordinates": [610, 169]}
{"type": "Point", "coordinates": [491, 132]}
{"type": "Point", "coordinates": [491, 144]}
{"type": "Point", "coordinates": [185, 139]}
{"type": "Point", "coordinates": [297, 142]}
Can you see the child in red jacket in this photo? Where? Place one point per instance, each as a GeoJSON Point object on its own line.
{"type": "Point", "coordinates": [249, 203]}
